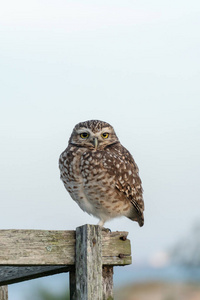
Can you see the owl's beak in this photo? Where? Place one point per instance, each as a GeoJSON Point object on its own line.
{"type": "Point", "coordinates": [95, 142]}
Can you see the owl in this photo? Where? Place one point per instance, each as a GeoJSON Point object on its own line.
{"type": "Point", "coordinates": [100, 174]}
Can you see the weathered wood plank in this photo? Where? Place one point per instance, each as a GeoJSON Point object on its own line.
{"type": "Point", "coordinates": [44, 247]}
{"type": "Point", "coordinates": [37, 247]}
{"type": "Point", "coordinates": [3, 293]}
{"type": "Point", "coordinates": [88, 263]}
{"type": "Point", "coordinates": [10, 274]}
{"type": "Point", "coordinates": [116, 248]}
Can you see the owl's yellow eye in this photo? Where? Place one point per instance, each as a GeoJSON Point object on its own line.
{"type": "Point", "coordinates": [105, 135]}
{"type": "Point", "coordinates": [84, 135]}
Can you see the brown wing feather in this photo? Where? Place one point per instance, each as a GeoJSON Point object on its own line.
{"type": "Point", "coordinates": [127, 179]}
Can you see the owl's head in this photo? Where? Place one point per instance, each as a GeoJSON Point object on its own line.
{"type": "Point", "coordinates": [93, 134]}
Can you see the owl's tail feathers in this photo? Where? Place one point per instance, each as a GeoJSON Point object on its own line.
{"type": "Point", "coordinates": [134, 216]}
{"type": "Point", "coordinates": [141, 220]}
{"type": "Point", "coordinates": [136, 211]}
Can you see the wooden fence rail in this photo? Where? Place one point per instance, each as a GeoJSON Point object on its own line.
{"type": "Point", "coordinates": [88, 253]}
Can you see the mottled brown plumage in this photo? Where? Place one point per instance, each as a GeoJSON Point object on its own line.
{"type": "Point", "coordinates": [100, 174]}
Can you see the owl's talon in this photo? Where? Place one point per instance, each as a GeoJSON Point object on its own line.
{"type": "Point", "coordinates": [107, 230]}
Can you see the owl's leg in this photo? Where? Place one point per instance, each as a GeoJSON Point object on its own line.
{"type": "Point", "coordinates": [101, 223]}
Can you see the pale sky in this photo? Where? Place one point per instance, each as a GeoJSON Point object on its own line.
{"type": "Point", "coordinates": [134, 64]}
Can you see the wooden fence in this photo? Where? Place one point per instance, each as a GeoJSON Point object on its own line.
{"type": "Point", "coordinates": [88, 253]}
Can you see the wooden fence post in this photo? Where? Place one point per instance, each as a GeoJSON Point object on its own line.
{"type": "Point", "coordinates": [88, 268]}
{"type": "Point", "coordinates": [72, 284]}
{"type": "Point", "coordinates": [90, 279]}
{"type": "Point", "coordinates": [107, 277]}
{"type": "Point", "coordinates": [4, 292]}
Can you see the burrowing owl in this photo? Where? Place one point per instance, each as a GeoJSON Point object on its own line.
{"type": "Point", "coordinates": [100, 174]}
